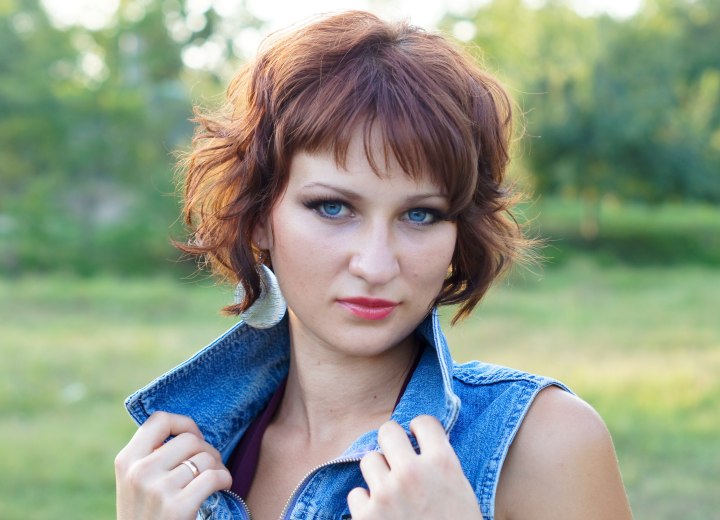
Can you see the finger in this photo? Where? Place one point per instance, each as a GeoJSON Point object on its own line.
{"type": "Point", "coordinates": [395, 444]}
{"type": "Point", "coordinates": [358, 501]}
{"type": "Point", "coordinates": [183, 474]}
{"type": "Point", "coordinates": [204, 485]}
{"type": "Point", "coordinates": [156, 430]}
{"type": "Point", "coordinates": [430, 434]}
{"type": "Point", "coordinates": [374, 469]}
{"type": "Point", "coordinates": [180, 448]}
{"type": "Point", "coordinates": [208, 482]}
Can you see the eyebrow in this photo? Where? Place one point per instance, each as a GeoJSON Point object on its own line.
{"type": "Point", "coordinates": [351, 195]}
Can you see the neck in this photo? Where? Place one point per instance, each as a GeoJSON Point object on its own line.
{"type": "Point", "coordinates": [332, 395]}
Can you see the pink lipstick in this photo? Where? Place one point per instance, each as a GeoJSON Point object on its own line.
{"type": "Point", "coordinates": [369, 308]}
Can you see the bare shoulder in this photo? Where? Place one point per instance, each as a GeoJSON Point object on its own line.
{"type": "Point", "coordinates": [561, 465]}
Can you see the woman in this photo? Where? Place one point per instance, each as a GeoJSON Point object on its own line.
{"type": "Point", "coordinates": [363, 163]}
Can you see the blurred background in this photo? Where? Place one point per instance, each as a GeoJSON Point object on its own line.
{"type": "Point", "coordinates": [619, 107]}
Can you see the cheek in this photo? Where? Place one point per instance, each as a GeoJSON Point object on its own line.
{"type": "Point", "coordinates": [301, 251]}
{"type": "Point", "coordinates": [303, 240]}
{"type": "Point", "coordinates": [429, 260]}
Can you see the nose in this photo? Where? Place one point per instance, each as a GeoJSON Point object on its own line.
{"type": "Point", "coordinates": [374, 257]}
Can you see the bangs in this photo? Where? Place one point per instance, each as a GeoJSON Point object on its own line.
{"type": "Point", "coordinates": [383, 94]}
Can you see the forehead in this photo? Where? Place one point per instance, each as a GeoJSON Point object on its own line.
{"type": "Point", "coordinates": [365, 163]}
{"type": "Point", "coordinates": [367, 150]}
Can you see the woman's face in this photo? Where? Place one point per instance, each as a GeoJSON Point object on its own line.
{"type": "Point", "coordinates": [360, 258]}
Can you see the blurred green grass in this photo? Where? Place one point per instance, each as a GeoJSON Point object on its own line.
{"type": "Point", "coordinates": [628, 233]}
{"type": "Point", "coordinates": [642, 345]}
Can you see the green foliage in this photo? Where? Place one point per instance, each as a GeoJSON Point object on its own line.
{"type": "Point", "coordinates": [88, 121]}
{"type": "Point", "coordinates": [630, 108]}
{"type": "Point", "coordinates": [641, 130]}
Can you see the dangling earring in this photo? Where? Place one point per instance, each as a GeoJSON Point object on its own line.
{"type": "Point", "coordinates": [270, 306]}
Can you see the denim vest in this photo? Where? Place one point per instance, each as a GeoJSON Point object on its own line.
{"type": "Point", "coordinates": [224, 386]}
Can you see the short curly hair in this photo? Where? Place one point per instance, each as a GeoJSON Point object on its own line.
{"type": "Point", "coordinates": [308, 90]}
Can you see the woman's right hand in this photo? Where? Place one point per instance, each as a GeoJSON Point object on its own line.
{"type": "Point", "coordinates": [152, 481]}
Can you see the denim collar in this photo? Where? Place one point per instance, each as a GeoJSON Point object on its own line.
{"type": "Point", "coordinates": [225, 385]}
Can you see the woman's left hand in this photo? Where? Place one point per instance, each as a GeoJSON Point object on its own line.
{"type": "Point", "coordinates": [404, 484]}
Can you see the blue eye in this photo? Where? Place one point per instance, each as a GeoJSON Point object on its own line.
{"type": "Point", "coordinates": [421, 216]}
{"type": "Point", "coordinates": [331, 208]}
{"type": "Point", "coordinates": [417, 215]}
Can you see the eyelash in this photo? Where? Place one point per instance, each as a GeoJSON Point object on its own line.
{"type": "Point", "coordinates": [317, 203]}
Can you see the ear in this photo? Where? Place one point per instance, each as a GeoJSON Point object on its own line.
{"type": "Point", "coordinates": [262, 235]}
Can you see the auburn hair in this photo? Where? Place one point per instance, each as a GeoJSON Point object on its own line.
{"type": "Point", "coordinates": [310, 89]}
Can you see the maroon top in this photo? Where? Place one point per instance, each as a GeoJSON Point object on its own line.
{"type": "Point", "coordinates": [244, 459]}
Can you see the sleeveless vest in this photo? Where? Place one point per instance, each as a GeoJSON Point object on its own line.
{"type": "Point", "coordinates": [227, 384]}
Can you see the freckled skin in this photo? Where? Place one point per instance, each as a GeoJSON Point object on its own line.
{"type": "Point", "coordinates": [371, 250]}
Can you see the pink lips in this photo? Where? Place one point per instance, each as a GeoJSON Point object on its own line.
{"type": "Point", "coordinates": [369, 308]}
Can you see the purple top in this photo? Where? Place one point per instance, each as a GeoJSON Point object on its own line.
{"type": "Point", "coordinates": [244, 459]}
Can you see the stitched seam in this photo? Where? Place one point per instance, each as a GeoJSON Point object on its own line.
{"type": "Point", "coordinates": [490, 479]}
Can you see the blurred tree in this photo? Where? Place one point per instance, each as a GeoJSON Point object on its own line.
{"type": "Point", "coordinates": [88, 121]}
{"type": "Point", "coordinates": [88, 118]}
{"type": "Point", "coordinates": [645, 130]}
{"type": "Point", "coordinates": [79, 142]}
{"type": "Point", "coordinates": [627, 108]}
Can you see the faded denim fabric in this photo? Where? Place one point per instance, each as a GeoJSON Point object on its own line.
{"type": "Point", "coordinates": [224, 386]}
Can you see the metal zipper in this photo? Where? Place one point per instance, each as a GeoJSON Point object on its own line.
{"type": "Point", "coordinates": [290, 500]}
{"type": "Point", "coordinates": [307, 477]}
{"type": "Point", "coordinates": [451, 423]}
{"type": "Point", "coordinates": [297, 488]}
{"type": "Point", "coordinates": [240, 500]}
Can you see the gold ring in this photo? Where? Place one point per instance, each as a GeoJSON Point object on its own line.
{"type": "Point", "coordinates": [192, 466]}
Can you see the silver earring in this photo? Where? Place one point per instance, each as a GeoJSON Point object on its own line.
{"type": "Point", "coordinates": [270, 306]}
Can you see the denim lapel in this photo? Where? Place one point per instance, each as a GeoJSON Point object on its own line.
{"type": "Point", "coordinates": [225, 385]}
{"type": "Point", "coordinates": [222, 387]}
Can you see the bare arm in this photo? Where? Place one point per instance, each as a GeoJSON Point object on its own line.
{"type": "Point", "coordinates": [562, 465]}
